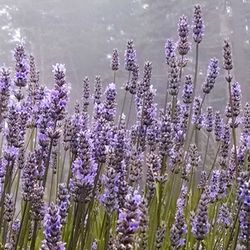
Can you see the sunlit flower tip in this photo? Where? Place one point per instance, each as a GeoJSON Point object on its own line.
{"type": "Point", "coordinates": [58, 67]}
{"type": "Point", "coordinates": [183, 26]}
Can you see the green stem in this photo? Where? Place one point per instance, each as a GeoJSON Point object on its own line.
{"type": "Point", "coordinates": [71, 240]}
{"type": "Point", "coordinates": [63, 166]}
{"type": "Point", "coordinates": [51, 186]}
{"type": "Point", "coordinates": [205, 157]}
{"type": "Point", "coordinates": [130, 108]}
{"type": "Point", "coordinates": [124, 101]}
{"type": "Point", "coordinates": [34, 234]}
{"type": "Point", "coordinates": [196, 69]}
{"type": "Point", "coordinates": [23, 226]}
{"type": "Point", "coordinates": [91, 204]}
{"type": "Point", "coordinates": [114, 75]}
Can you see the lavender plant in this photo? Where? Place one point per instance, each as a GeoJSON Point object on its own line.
{"type": "Point", "coordinates": [93, 180]}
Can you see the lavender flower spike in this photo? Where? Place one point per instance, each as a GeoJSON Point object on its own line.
{"type": "Point", "coordinates": [183, 45]}
{"type": "Point", "coordinates": [52, 229]}
{"type": "Point", "coordinates": [212, 73]}
{"type": "Point", "coordinates": [200, 224]}
{"type": "Point", "coordinates": [130, 56]}
{"type": "Point", "coordinates": [169, 50]}
{"type": "Point", "coordinates": [115, 60]}
{"type": "Point", "coordinates": [129, 220]}
{"type": "Point", "coordinates": [244, 196]}
{"type": "Point", "coordinates": [198, 24]}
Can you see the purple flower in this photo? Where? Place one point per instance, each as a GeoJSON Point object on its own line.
{"type": "Point", "coordinates": [147, 73]}
{"type": "Point", "coordinates": [209, 120]}
{"type": "Point", "coordinates": [187, 90]}
{"type": "Point", "coordinates": [115, 60]}
{"type": "Point", "coordinates": [22, 67]}
{"type": "Point", "coordinates": [246, 119]}
{"type": "Point", "coordinates": [213, 188]}
{"type": "Point", "coordinates": [109, 103]}
{"type": "Point", "coordinates": [52, 229]}
{"type": "Point", "coordinates": [196, 117]}
{"type": "Point", "coordinates": [37, 203]}
{"type": "Point", "coordinates": [134, 80]}
{"type": "Point", "coordinates": [200, 224]}
{"type": "Point", "coordinates": [30, 176]}
{"type": "Point", "coordinates": [224, 149]}
{"type": "Point", "coordinates": [173, 78]}
{"type": "Point", "coordinates": [130, 56]}
{"type": "Point", "coordinates": [218, 126]}
{"type": "Point", "coordinates": [98, 90]}
{"type": "Point", "coordinates": [167, 133]}
{"type": "Point", "coordinates": [227, 55]}
{"type": "Point", "coordinates": [169, 51]}
{"type": "Point", "coordinates": [179, 228]}
{"type": "Point", "coordinates": [149, 108]}
{"type": "Point", "coordinates": [244, 196]}
{"type": "Point", "coordinates": [236, 99]}
{"type": "Point", "coordinates": [63, 199]}
{"type": "Point", "coordinates": [183, 46]}
{"type": "Point", "coordinates": [86, 93]}
{"type": "Point", "coordinates": [5, 82]}
{"type": "Point", "coordinates": [9, 208]}
{"type": "Point", "coordinates": [224, 216]}
{"type": "Point", "coordinates": [109, 197]}
{"type": "Point", "coordinates": [129, 220]}
{"type": "Point", "coordinates": [82, 180]}
{"type": "Point", "coordinates": [212, 73]}
{"type": "Point", "coordinates": [198, 24]}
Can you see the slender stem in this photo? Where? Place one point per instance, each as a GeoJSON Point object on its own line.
{"type": "Point", "coordinates": [47, 164]}
{"type": "Point", "coordinates": [114, 75]}
{"type": "Point", "coordinates": [34, 234]}
{"type": "Point", "coordinates": [198, 245]}
{"type": "Point", "coordinates": [107, 229]}
{"type": "Point", "coordinates": [73, 227]}
{"type": "Point", "coordinates": [24, 220]}
{"type": "Point", "coordinates": [63, 166]}
{"type": "Point", "coordinates": [124, 100]}
{"type": "Point", "coordinates": [233, 227]}
{"type": "Point", "coordinates": [233, 122]}
{"type": "Point", "coordinates": [90, 207]}
{"type": "Point", "coordinates": [17, 186]}
{"type": "Point", "coordinates": [196, 69]}
{"type": "Point", "coordinates": [51, 186]}
{"type": "Point", "coordinates": [205, 157]}
{"type": "Point", "coordinates": [130, 108]}
{"type": "Point", "coordinates": [193, 95]}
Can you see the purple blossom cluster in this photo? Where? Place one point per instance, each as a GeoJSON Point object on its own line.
{"type": "Point", "coordinates": [167, 175]}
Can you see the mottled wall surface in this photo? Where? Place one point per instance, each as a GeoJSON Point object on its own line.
{"type": "Point", "coordinates": [82, 34]}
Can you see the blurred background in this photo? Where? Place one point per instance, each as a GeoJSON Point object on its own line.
{"type": "Point", "coordinates": [82, 34]}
